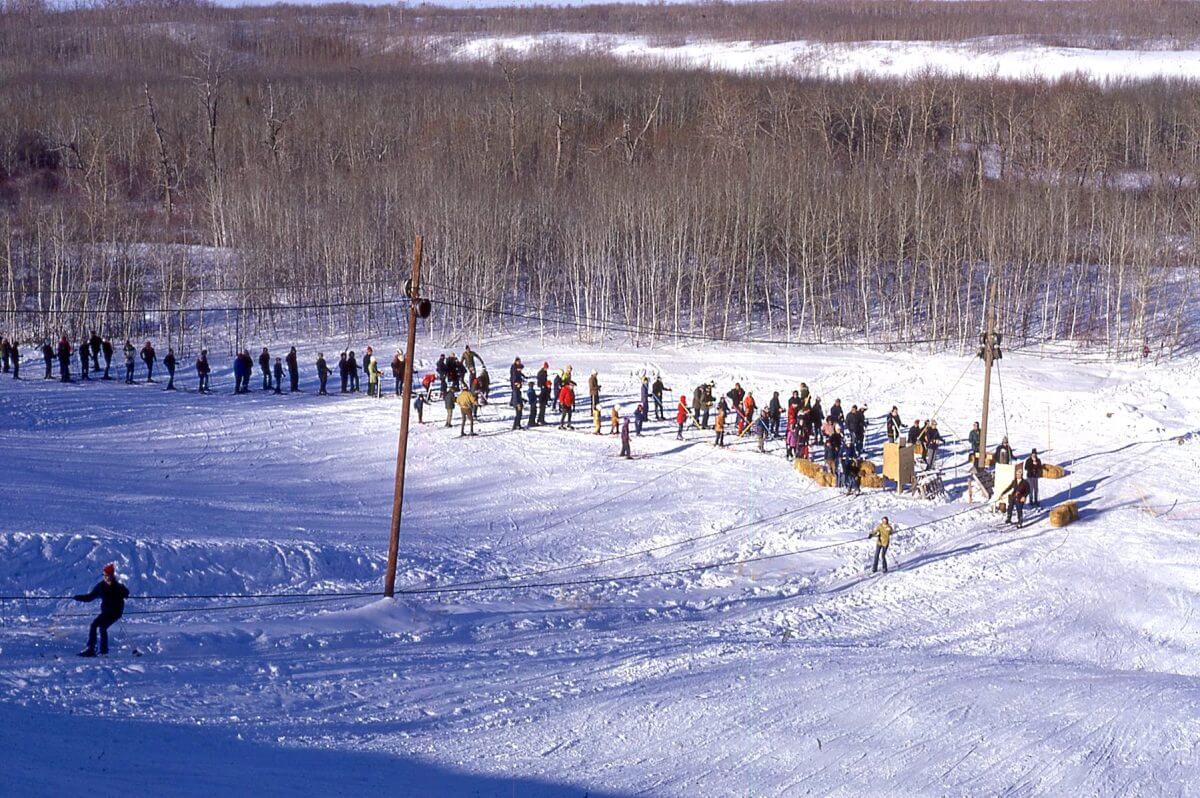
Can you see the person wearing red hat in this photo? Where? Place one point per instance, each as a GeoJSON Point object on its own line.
{"type": "Point", "coordinates": [112, 595]}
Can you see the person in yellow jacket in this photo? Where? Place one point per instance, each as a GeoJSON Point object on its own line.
{"type": "Point", "coordinates": [614, 419]}
{"type": "Point", "coordinates": [719, 428]}
{"type": "Point", "coordinates": [597, 419]}
{"type": "Point", "coordinates": [883, 533]}
{"type": "Point", "coordinates": [372, 364]}
{"type": "Point", "coordinates": [466, 406]}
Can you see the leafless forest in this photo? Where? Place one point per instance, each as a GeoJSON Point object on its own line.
{"type": "Point", "coordinates": [273, 165]}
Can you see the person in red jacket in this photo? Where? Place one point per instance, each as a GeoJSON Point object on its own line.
{"type": "Point", "coordinates": [566, 405]}
{"type": "Point", "coordinates": [681, 416]}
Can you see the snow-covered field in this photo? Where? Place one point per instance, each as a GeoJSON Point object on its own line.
{"type": "Point", "coordinates": [992, 661]}
{"type": "Point", "coordinates": [1002, 57]}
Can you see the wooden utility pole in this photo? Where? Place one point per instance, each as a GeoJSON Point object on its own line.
{"type": "Point", "coordinates": [988, 354]}
{"type": "Point", "coordinates": [414, 295]}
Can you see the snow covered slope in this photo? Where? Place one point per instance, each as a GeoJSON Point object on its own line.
{"type": "Point", "coordinates": [993, 660]}
{"type": "Point", "coordinates": [1003, 57]}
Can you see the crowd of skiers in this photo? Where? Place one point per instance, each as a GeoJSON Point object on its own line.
{"type": "Point", "coordinates": [84, 358]}
{"type": "Point", "coordinates": [463, 384]}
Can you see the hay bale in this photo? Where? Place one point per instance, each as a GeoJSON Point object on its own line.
{"type": "Point", "coordinates": [806, 467]}
{"type": "Point", "coordinates": [825, 479]}
{"type": "Point", "coordinates": [867, 468]}
{"type": "Point", "coordinates": [1064, 514]}
{"type": "Point", "coordinates": [1051, 471]}
{"type": "Point", "coordinates": [872, 481]}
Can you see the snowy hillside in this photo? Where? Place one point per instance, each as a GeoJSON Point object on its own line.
{"type": "Point", "coordinates": [990, 661]}
{"type": "Point", "coordinates": [999, 57]}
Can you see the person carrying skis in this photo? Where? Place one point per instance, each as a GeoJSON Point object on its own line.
{"type": "Point", "coordinates": [264, 364]}
{"type": "Point", "coordinates": [322, 374]}
{"type": "Point", "coordinates": [466, 408]}
{"type": "Point", "coordinates": [681, 416]}
{"type": "Point", "coordinates": [293, 369]}
{"type": "Point", "coordinates": [202, 370]}
{"type": "Point", "coordinates": [883, 538]}
{"type": "Point", "coordinates": [625, 452]}
{"type": "Point", "coordinates": [169, 363]}
{"type": "Point", "coordinates": [129, 352]}
{"type": "Point", "coordinates": [1033, 474]}
{"type": "Point", "coordinates": [278, 375]}
{"type": "Point", "coordinates": [895, 427]}
{"type": "Point", "coordinates": [112, 595]}
{"type": "Point", "coordinates": [148, 357]}
{"type": "Point", "coordinates": [106, 346]}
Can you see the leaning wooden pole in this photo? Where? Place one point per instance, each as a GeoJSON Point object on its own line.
{"type": "Point", "coordinates": [389, 585]}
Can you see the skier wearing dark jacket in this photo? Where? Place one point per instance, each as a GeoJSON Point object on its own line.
{"type": "Point", "coordinates": [106, 346]}
{"type": "Point", "coordinates": [264, 364]}
{"type": "Point", "coordinates": [64, 359]}
{"type": "Point", "coordinates": [895, 427]}
{"type": "Point", "coordinates": [322, 373]}
{"type": "Point", "coordinates": [48, 356]}
{"type": "Point", "coordinates": [169, 362]}
{"type": "Point", "coordinates": [95, 343]}
{"type": "Point", "coordinates": [293, 368]}
{"type": "Point", "coordinates": [148, 357]}
{"type": "Point", "coordinates": [112, 595]}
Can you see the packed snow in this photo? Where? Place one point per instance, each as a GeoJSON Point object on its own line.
{"type": "Point", "coordinates": [1002, 57]}
{"type": "Point", "coordinates": [991, 660]}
